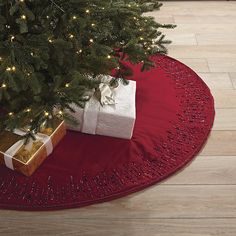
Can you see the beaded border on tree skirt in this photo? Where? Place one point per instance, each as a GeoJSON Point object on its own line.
{"type": "Point", "coordinates": [183, 141]}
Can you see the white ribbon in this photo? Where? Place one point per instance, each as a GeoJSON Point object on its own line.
{"type": "Point", "coordinates": [105, 94]}
{"type": "Point", "coordinates": [90, 116]}
{"type": "Point", "coordinates": [9, 154]}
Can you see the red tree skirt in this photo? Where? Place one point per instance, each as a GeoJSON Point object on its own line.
{"type": "Point", "coordinates": [175, 113]}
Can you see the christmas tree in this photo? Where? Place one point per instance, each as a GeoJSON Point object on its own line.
{"type": "Point", "coordinates": [51, 52]}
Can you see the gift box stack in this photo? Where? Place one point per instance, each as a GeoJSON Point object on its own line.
{"type": "Point", "coordinates": [112, 114]}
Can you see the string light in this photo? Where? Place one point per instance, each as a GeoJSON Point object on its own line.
{"type": "Point", "coordinates": [8, 26]}
{"type": "Point", "coordinates": [141, 38]}
{"type": "Point", "coordinates": [74, 17]}
{"type": "Point", "coordinates": [10, 113]}
{"type": "Point", "coordinates": [28, 110]}
{"type": "Point", "coordinates": [78, 52]}
{"type": "Point", "coordinates": [91, 40]}
{"type": "Point", "coordinates": [47, 17]}
{"type": "Point", "coordinates": [46, 113]}
{"type": "Point", "coordinates": [23, 17]}
{"type": "Point", "coordinates": [1, 59]}
{"type": "Point", "coordinates": [60, 113]}
{"type": "Point", "coordinates": [129, 5]}
{"type": "Point", "coordinates": [87, 11]}
{"type": "Point", "coordinates": [21, 0]}
{"type": "Point", "coordinates": [50, 40]}
{"type": "Point", "coordinates": [92, 24]}
{"type": "Point", "coordinates": [67, 85]}
{"type": "Point", "coordinates": [109, 57]}
{"type": "Point", "coordinates": [12, 38]}
{"type": "Point", "coordinates": [71, 36]}
{"type": "Point", "coordinates": [31, 53]}
{"type": "Point", "coordinates": [3, 85]}
{"type": "Point", "coordinates": [13, 68]}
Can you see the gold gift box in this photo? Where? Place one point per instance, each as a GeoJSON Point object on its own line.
{"type": "Point", "coordinates": [27, 162]}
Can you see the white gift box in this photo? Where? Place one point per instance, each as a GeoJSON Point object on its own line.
{"type": "Point", "coordinates": [110, 120]}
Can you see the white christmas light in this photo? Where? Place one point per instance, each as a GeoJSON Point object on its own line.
{"type": "Point", "coordinates": [91, 40]}
{"type": "Point", "coordinates": [78, 52]}
{"type": "Point", "coordinates": [23, 17]}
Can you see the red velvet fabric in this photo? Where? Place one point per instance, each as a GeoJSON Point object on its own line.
{"type": "Point", "coordinates": [175, 113]}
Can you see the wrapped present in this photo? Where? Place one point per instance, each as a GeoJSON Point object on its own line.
{"type": "Point", "coordinates": [109, 112]}
{"type": "Point", "coordinates": [26, 158]}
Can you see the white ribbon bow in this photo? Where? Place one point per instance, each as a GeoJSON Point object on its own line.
{"type": "Point", "coordinates": [105, 94]}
